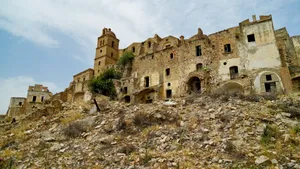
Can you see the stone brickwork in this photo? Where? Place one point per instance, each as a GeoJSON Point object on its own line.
{"type": "Point", "coordinates": [250, 57]}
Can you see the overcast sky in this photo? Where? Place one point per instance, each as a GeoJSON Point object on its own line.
{"type": "Point", "coordinates": [48, 41]}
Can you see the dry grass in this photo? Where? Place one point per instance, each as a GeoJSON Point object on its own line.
{"type": "Point", "coordinates": [74, 129]}
{"type": "Point", "coordinates": [72, 116]}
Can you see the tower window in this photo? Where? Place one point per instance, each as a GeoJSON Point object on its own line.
{"type": "Point", "coordinates": [112, 54]}
{"type": "Point", "coordinates": [33, 98]}
{"type": "Point", "coordinates": [112, 44]}
{"type": "Point", "coordinates": [198, 51]}
{"type": "Point", "coordinates": [20, 103]}
{"type": "Point", "coordinates": [100, 51]}
{"type": "Point", "coordinates": [42, 99]}
{"type": "Point", "coordinates": [133, 49]}
{"type": "Point", "coordinates": [147, 81]}
{"type": "Point", "coordinates": [171, 55]}
{"type": "Point", "coordinates": [227, 48]}
{"type": "Point", "coordinates": [234, 72]}
{"type": "Point", "coordinates": [251, 38]}
{"type": "Point", "coordinates": [169, 84]}
{"type": "Point", "coordinates": [99, 63]}
{"type": "Point", "coordinates": [149, 44]}
{"type": "Point", "coordinates": [168, 71]}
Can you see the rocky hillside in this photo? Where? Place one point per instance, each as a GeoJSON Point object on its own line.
{"type": "Point", "coordinates": [196, 132]}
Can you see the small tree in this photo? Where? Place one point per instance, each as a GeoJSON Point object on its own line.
{"type": "Point", "coordinates": [126, 58]}
{"type": "Point", "coordinates": [103, 84]}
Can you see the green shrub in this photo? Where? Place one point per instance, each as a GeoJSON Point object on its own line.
{"type": "Point", "coordinates": [126, 58]}
{"type": "Point", "coordinates": [103, 84]}
{"type": "Point", "coordinates": [269, 133]}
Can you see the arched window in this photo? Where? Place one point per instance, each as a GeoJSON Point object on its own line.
{"type": "Point", "coordinates": [234, 72]}
{"type": "Point", "coordinates": [133, 49]}
{"type": "Point", "coordinates": [199, 66]}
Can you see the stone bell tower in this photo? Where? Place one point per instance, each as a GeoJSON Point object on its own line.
{"type": "Point", "coordinates": [106, 51]}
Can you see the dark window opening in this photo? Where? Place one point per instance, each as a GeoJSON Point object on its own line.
{"type": "Point", "coordinates": [112, 44]}
{"type": "Point", "coordinates": [270, 87]}
{"type": "Point", "coordinates": [100, 51]}
{"type": "Point", "coordinates": [199, 66]}
{"type": "Point", "coordinates": [20, 103]}
{"type": "Point", "coordinates": [33, 98]}
{"type": "Point", "coordinates": [168, 46]}
{"type": "Point", "coordinates": [251, 38]}
{"type": "Point", "coordinates": [127, 99]}
{"type": "Point", "coordinates": [225, 63]}
{"type": "Point", "coordinates": [112, 54]}
{"type": "Point", "coordinates": [99, 63]}
{"type": "Point", "coordinates": [133, 49]}
{"type": "Point", "coordinates": [147, 81]}
{"type": "Point", "coordinates": [125, 90]}
{"type": "Point", "coordinates": [234, 72]}
{"type": "Point", "coordinates": [171, 55]}
{"type": "Point", "coordinates": [168, 71]}
{"type": "Point", "coordinates": [169, 84]}
{"type": "Point", "coordinates": [84, 79]}
{"type": "Point", "coordinates": [149, 44]}
{"type": "Point", "coordinates": [198, 51]}
{"type": "Point", "coordinates": [169, 93]}
{"type": "Point", "coordinates": [227, 48]}
{"type": "Point", "coordinates": [268, 77]}
{"type": "Point", "coordinates": [42, 98]}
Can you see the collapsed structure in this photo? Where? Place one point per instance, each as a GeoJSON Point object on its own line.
{"type": "Point", "coordinates": [35, 95]}
{"type": "Point", "coordinates": [251, 57]}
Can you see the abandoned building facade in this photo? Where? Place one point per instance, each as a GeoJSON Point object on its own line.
{"type": "Point", "coordinates": [249, 58]}
{"type": "Point", "coordinates": [35, 94]}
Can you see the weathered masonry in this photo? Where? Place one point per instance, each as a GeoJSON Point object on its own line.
{"type": "Point", "coordinates": [251, 57]}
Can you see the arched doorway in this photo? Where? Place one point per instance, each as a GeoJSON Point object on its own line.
{"type": "Point", "coordinates": [232, 88]}
{"type": "Point", "coordinates": [194, 85]}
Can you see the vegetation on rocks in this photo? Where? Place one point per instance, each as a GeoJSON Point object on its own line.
{"type": "Point", "coordinates": [103, 84]}
{"type": "Point", "coordinates": [125, 59]}
{"type": "Point", "coordinates": [194, 132]}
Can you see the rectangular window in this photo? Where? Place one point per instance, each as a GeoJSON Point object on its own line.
{"type": "Point", "coordinates": [112, 44]}
{"type": "Point", "coordinates": [20, 103]}
{"type": "Point", "coordinates": [169, 93]}
{"type": "Point", "coordinates": [251, 38]}
{"type": "Point", "coordinates": [42, 98]}
{"type": "Point", "coordinates": [168, 72]}
{"type": "Point", "coordinates": [33, 98]}
{"type": "Point", "coordinates": [227, 48]}
{"type": "Point", "coordinates": [171, 56]}
{"type": "Point", "coordinates": [99, 63]}
{"type": "Point", "coordinates": [198, 51]}
{"type": "Point", "coordinates": [133, 49]}
{"type": "Point", "coordinates": [125, 90]}
{"type": "Point", "coordinates": [147, 79]}
{"type": "Point", "coordinates": [149, 44]}
{"type": "Point", "coordinates": [270, 87]}
{"type": "Point", "coordinates": [234, 72]}
{"type": "Point", "coordinates": [268, 77]}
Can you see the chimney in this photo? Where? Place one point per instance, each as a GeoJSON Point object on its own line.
{"type": "Point", "coordinates": [254, 18]}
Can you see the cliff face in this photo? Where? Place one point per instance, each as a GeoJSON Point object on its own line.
{"type": "Point", "coordinates": [217, 131]}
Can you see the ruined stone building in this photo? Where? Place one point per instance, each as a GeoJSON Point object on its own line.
{"type": "Point", "coordinates": [252, 57]}
{"type": "Point", "coordinates": [36, 94]}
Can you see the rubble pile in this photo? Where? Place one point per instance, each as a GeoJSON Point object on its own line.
{"type": "Point", "coordinates": [195, 132]}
